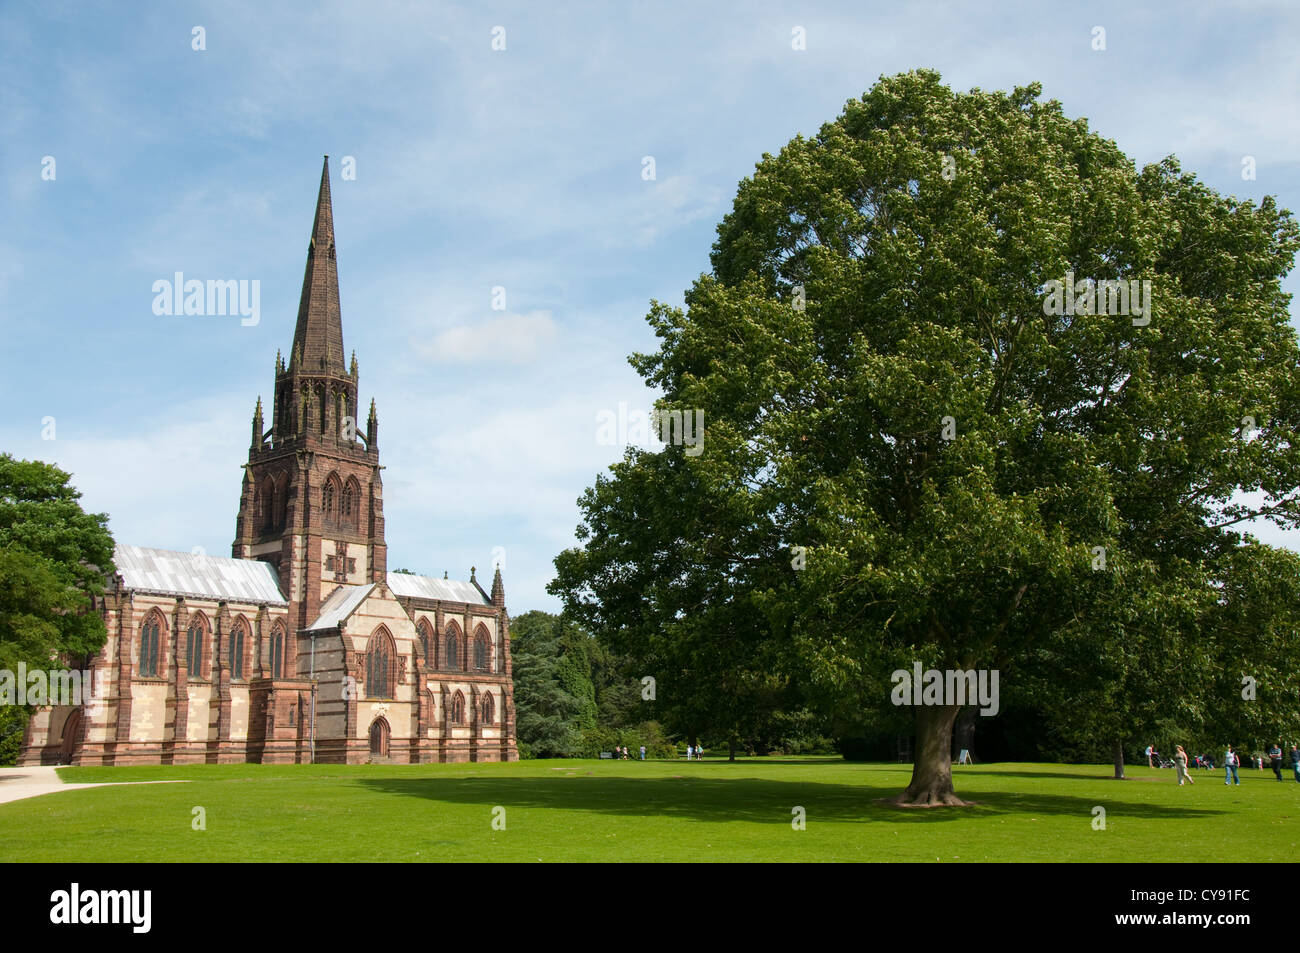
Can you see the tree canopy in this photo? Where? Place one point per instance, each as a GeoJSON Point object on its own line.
{"type": "Point", "coordinates": [53, 558]}
{"type": "Point", "coordinates": [979, 394]}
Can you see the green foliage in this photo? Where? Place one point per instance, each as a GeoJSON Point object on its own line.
{"type": "Point", "coordinates": [573, 697]}
{"type": "Point", "coordinates": [545, 712]}
{"type": "Point", "coordinates": [53, 558]}
{"type": "Point", "coordinates": [648, 733]}
{"type": "Point", "coordinates": [885, 388]}
{"type": "Point", "coordinates": [13, 721]}
{"type": "Point", "coordinates": [1253, 698]}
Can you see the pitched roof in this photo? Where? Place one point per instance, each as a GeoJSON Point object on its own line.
{"type": "Point", "coordinates": [426, 587]}
{"type": "Point", "coordinates": [186, 574]}
{"type": "Point", "coordinates": [342, 602]}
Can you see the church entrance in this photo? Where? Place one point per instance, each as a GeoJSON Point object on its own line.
{"type": "Point", "coordinates": [379, 738]}
{"type": "Point", "coordinates": [71, 728]}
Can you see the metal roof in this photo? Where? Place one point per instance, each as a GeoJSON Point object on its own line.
{"type": "Point", "coordinates": [342, 602]}
{"type": "Point", "coordinates": [426, 587]}
{"type": "Point", "coordinates": [188, 574]}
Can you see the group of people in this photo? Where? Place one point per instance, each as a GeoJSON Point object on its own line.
{"type": "Point", "coordinates": [1231, 761]}
{"type": "Point", "coordinates": [622, 754]}
{"type": "Point", "coordinates": [696, 751]}
{"type": "Point", "coordinates": [1275, 761]}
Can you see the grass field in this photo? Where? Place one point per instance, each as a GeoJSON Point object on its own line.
{"type": "Point", "coordinates": [651, 811]}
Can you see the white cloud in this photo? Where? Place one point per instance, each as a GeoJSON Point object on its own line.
{"type": "Point", "coordinates": [511, 338]}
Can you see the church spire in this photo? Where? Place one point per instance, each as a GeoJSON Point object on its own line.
{"type": "Point", "coordinates": [318, 337]}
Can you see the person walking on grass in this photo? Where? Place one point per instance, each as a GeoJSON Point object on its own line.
{"type": "Point", "coordinates": [1275, 760]}
{"type": "Point", "coordinates": [1150, 750]}
{"type": "Point", "coordinates": [1180, 759]}
{"type": "Point", "coordinates": [1230, 760]}
{"type": "Point", "coordinates": [1295, 762]}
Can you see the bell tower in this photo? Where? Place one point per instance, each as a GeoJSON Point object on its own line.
{"type": "Point", "coordinates": [312, 499]}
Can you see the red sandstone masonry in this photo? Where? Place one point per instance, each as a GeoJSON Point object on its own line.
{"type": "Point", "coordinates": [281, 521]}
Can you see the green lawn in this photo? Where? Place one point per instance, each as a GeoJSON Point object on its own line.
{"type": "Point", "coordinates": [652, 811]}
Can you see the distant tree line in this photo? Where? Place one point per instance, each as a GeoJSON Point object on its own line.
{"type": "Point", "coordinates": [575, 698]}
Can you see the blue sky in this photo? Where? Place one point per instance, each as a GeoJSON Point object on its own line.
{"type": "Point", "coordinates": [478, 168]}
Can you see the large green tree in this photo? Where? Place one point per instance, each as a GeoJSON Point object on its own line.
{"type": "Point", "coordinates": [553, 693]}
{"type": "Point", "coordinates": [53, 561]}
{"type": "Point", "coordinates": [925, 441]}
{"type": "Point", "coordinates": [54, 558]}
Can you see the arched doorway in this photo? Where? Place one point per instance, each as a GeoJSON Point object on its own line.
{"type": "Point", "coordinates": [71, 729]}
{"type": "Point", "coordinates": [379, 738]}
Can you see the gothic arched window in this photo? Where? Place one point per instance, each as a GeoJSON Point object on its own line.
{"type": "Point", "coordinates": [426, 643]}
{"type": "Point", "coordinates": [351, 507]}
{"type": "Point", "coordinates": [197, 647]}
{"type": "Point", "coordinates": [238, 642]}
{"type": "Point", "coordinates": [277, 652]}
{"type": "Point", "coordinates": [458, 709]}
{"type": "Point", "coordinates": [266, 506]}
{"type": "Point", "coordinates": [328, 500]}
{"type": "Point", "coordinates": [380, 662]}
{"type": "Point", "coordinates": [453, 648]}
{"type": "Point", "coordinates": [279, 504]}
{"type": "Point", "coordinates": [489, 709]}
{"type": "Point", "coordinates": [150, 645]}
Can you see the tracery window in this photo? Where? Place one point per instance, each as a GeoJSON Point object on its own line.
{"type": "Point", "coordinates": [379, 665]}
{"type": "Point", "coordinates": [150, 642]}
{"type": "Point", "coordinates": [453, 649]}
{"type": "Point", "coordinates": [277, 652]}
{"type": "Point", "coordinates": [196, 648]}
{"type": "Point", "coordinates": [426, 643]}
{"type": "Point", "coordinates": [237, 646]}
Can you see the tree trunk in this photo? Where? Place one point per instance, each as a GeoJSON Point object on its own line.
{"type": "Point", "coordinates": [964, 729]}
{"type": "Point", "coordinates": [1119, 761]}
{"type": "Point", "coordinates": [932, 765]}
{"type": "Point", "coordinates": [731, 750]}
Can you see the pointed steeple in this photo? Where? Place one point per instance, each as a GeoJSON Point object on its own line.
{"type": "Point", "coordinates": [318, 337]}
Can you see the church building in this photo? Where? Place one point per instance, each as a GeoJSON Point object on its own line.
{"type": "Point", "coordinates": [302, 646]}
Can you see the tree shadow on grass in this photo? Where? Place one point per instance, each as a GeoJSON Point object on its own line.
{"type": "Point", "coordinates": [747, 799]}
{"type": "Point", "coordinates": [1066, 775]}
{"type": "Point", "coordinates": [1163, 775]}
